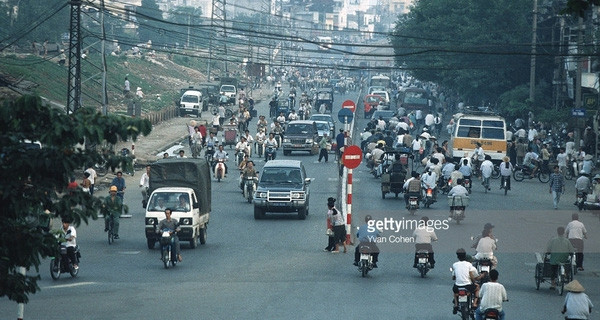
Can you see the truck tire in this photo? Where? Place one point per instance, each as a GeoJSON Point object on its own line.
{"type": "Point", "coordinates": [258, 213]}
{"type": "Point", "coordinates": [302, 212]}
{"type": "Point", "coordinates": [203, 235]}
{"type": "Point", "coordinates": [150, 243]}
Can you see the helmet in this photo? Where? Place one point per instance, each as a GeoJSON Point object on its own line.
{"type": "Point", "coordinates": [113, 188]}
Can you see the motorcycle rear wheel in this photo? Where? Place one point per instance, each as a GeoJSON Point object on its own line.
{"type": "Point", "coordinates": [543, 177]}
{"type": "Point", "coordinates": [518, 175]}
{"type": "Point", "coordinates": [165, 258]}
{"type": "Point", "coordinates": [364, 268]}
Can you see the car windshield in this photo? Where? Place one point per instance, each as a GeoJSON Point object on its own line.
{"type": "Point", "coordinates": [373, 99]}
{"type": "Point", "coordinates": [324, 95]}
{"type": "Point", "coordinates": [382, 113]}
{"type": "Point", "coordinates": [190, 98]}
{"type": "Point", "coordinates": [228, 88]}
{"type": "Point", "coordinates": [176, 201]}
{"type": "Point", "coordinates": [321, 118]}
{"type": "Point", "coordinates": [323, 126]}
{"type": "Point", "coordinates": [298, 129]}
{"type": "Point", "coordinates": [281, 175]}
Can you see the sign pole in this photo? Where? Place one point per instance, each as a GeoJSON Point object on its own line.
{"type": "Point", "coordinates": [349, 208]}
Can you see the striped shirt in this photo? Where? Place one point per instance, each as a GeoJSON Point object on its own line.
{"type": "Point", "coordinates": [556, 182]}
{"type": "Point", "coordinates": [492, 294]}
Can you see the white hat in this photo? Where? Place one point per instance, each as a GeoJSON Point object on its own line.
{"type": "Point", "coordinates": [138, 88]}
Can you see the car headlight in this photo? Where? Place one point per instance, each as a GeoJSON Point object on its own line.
{"type": "Point", "coordinates": [309, 140]}
{"type": "Point", "coordinates": [186, 221]}
{"type": "Point", "coordinates": [261, 195]}
{"type": "Point", "coordinates": [286, 140]}
{"type": "Point", "coordinates": [296, 195]}
{"type": "Point", "coordinates": [151, 221]}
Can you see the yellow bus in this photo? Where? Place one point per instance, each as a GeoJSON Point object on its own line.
{"type": "Point", "coordinates": [486, 128]}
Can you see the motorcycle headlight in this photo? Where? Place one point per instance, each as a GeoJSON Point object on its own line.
{"type": "Point", "coordinates": [286, 140]}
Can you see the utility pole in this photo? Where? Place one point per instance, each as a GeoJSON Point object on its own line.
{"type": "Point", "coordinates": [578, 60]}
{"type": "Point", "coordinates": [217, 21]}
{"type": "Point", "coordinates": [533, 53]}
{"type": "Point", "coordinates": [74, 77]}
{"type": "Point", "coordinates": [104, 92]}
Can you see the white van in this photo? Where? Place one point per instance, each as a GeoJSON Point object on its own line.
{"type": "Point", "coordinates": [191, 103]}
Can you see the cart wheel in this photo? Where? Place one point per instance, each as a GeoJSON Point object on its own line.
{"type": "Point", "coordinates": [560, 284]}
{"type": "Point", "coordinates": [538, 276]}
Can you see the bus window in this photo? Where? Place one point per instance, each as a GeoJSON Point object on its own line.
{"type": "Point", "coordinates": [493, 123]}
{"type": "Point", "coordinates": [493, 133]}
{"type": "Point", "coordinates": [468, 132]}
{"type": "Point", "coordinates": [470, 122]}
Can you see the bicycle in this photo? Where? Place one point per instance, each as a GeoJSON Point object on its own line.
{"type": "Point", "coordinates": [111, 225]}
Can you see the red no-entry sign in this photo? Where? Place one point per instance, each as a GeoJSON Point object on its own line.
{"type": "Point", "coordinates": [349, 104]}
{"type": "Point", "coordinates": [352, 156]}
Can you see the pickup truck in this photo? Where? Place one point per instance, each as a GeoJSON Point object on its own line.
{"type": "Point", "coordinates": [184, 186]}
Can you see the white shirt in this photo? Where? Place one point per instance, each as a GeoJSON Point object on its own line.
{"type": "Point", "coordinates": [271, 142]}
{"type": "Point", "coordinates": [575, 230]}
{"type": "Point", "coordinates": [486, 168]}
{"type": "Point", "coordinates": [485, 248]}
{"type": "Point", "coordinates": [280, 119]}
{"type": "Point", "coordinates": [72, 241]}
{"type": "Point", "coordinates": [429, 180]}
{"type": "Point", "coordinates": [240, 146]}
{"type": "Point", "coordinates": [145, 180]}
{"type": "Point", "coordinates": [429, 120]}
{"type": "Point", "coordinates": [215, 120]}
{"type": "Point", "coordinates": [479, 154]}
{"type": "Point", "coordinates": [416, 145]}
{"type": "Point", "coordinates": [531, 134]}
{"type": "Point", "coordinates": [92, 173]}
{"type": "Point", "coordinates": [402, 125]}
{"type": "Point", "coordinates": [461, 270]}
{"type": "Point", "coordinates": [260, 137]}
{"type": "Point", "coordinates": [458, 190]}
{"type": "Point", "coordinates": [561, 158]}
{"type": "Point", "coordinates": [422, 235]}
{"type": "Point", "coordinates": [293, 116]}
{"type": "Point", "coordinates": [419, 115]}
{"type": "Point", "coordinates": [492, 294]}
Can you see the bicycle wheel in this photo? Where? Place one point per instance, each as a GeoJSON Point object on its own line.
{"type": "Point", "coordinates": [111, 236]}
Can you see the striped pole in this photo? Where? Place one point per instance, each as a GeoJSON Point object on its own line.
{"type": "Point", "coordinates": [349, 208]}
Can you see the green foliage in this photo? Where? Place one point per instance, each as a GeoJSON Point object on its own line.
{"type": "Point", "coordinates": [150, 26]}
{"type": "Point", "coordinates": [476, 47]}
{"type": "Point", "coordinates": [579, 7]}
{"type": "Point", "coordinates": [35, 180]}
{"type": "Point", "coordinates": [16, 24]}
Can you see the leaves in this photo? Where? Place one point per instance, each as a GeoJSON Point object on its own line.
{"type": "Point", "coordinates": [34, 180]}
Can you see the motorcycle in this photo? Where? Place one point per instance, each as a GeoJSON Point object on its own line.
{"type": "Point", "coordinates": [220, 169]}
{"type": "Point", "coordinates": [270, 153]}
{"type": "Point", "coordinates": [62, 263]}
{"type": "Point", "coordinates": [260, 148]}
{"type": "Point", "coordinates": [465, 309]}
{"type": "Point", "coordinates": [208, 154]}
{"type": "Point", "coordinates": [491, 314]}
{"type": "Point", "coordinates": [522, 172]}
{"type": "Point", "coordinates": [458, 204]}
{"type": "Point", "coordinates": [467, 184]}
{"type": "Point", "coordinates": [413, 204]}
{"type": "Point", "coordinates": [581, 198]}
{"type": "Point", "coordinates": [483, 265]}
{"type": "Point", "coordinates": [249, 187]}
{"type": "Point", "coordinates": [446, 186]}
{"type": "Point", "coordinates": [505, 182]}
{"type": "Point", "coordinates": [428, 196]}
{"type": "Point", "coordinates": [366, 263]}
{"type": "Point", "coordinates": [239, 157]}
{"type": "Point", "coordinates": [423, 262]}
{"type": "Point", "coordinates": [168, 254]}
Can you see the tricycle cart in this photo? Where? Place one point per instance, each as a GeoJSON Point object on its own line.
{"type": "Point", "coordinates": [543, 272]}
{"type": "Point", "coordinates": [229, 135]}
{"type": "Point", "coordinates": [392, 178]}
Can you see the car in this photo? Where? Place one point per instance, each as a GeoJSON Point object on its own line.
{"type": "Point", "coordinates": [383, 94]}
{"type": "Point", "coordinates": [386, 115]}
{"type": "Point", "coordinates": [370, 103]}
{"type": "Point", "coordinates": [375, 88]}
{"type": "Point", "coordinates": [322, 128]}
{"type": "Point", "coordinates": [300, 135]}
{"type": "Point", "coordinates": [324, 117]}
{"type": "Point", "coordinates": [282, 187]}
{"type": "Point", "coordinates": [191, 103]}
{"type": "Point", "coordinates": [229, 91]}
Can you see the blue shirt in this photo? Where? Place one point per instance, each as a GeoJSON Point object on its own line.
{"type": "Point", "coordinates": [339, 139]}
{"type": "Point", "coordinates": [364, 235]}
{"type": "Point", "coordinates": [465, 170]}
{"type": "Point", "coordinates": [556, 182]}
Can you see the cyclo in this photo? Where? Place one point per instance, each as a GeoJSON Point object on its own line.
{"type": "Point", "coordinates": [543, 272]}
{"type": "Point", "coordinates": [393, 176]}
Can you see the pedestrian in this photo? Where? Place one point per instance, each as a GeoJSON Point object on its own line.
{"type": "Point", "coordinates": [139, 93]}
{"type": "Point", "coordinates": [330, 236]}
{"type": "Point", "coordinates": [145, 185]}
{"type": "Point", "coordinates": [577, 304]}
{"type": "Point", "coordinates": [86, 183]}
{"type": "Point", "coordinates": [556, 186]}
{"type": "Point", "coordinates": [339, 226]}
{"type": "Point", "coordinates": [45, 48]}
{"type": "Point", "coordinates": [92, 177]}
{"type": "Point", "coordinates": [559, 249]}
{"type": "Point", "coordinates": [576, 232]}
{"type": "Point", "coordinates": [323, 148]}
{"type": "Point", "coordinates": [119, 182]}
{"type": "Point", "coordinates": [340, 140]}
{"type": "Point", "coordinates": [126, 87]}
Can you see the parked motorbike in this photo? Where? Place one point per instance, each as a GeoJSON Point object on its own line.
{"type": "Point", "coordinates": [168, 252]}
{"type": "Point", "coordinates": [249, 187]}
{"type": "Point", "coordinates": [220, 169]}
{"type": "Point", "coordinates": [458, 204]}
{"type": "Point", "coordinates": [522, 172]}
{"type": "Point", "coordinates": [270, 153]}
{"type": "Point", "coordinates": [423, 262]}
{"type": "Point", "coordinates": [62, 263]}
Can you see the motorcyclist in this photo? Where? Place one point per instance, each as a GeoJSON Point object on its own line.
{"type": "Point", "coordinates": [465, 169]}
{"type": "Point", "coordinates": [456, 175]}
{"type": "Point", "coordinates": [69, 233]}
{"type": "Point", "coordinates": [478, 156]}
{"type": "Point", "coordinates": [221, 155]}
{"type": "Point", "coordinates": [367, 236]}
{"type": "Point", "coordinates": [173, 226]}
{"type": "Point", "coordinates": [271, 142]}
{"type": "Point", "coordinates": [260, 140]}
{"type": "Point", "coordinates": [247, 172]}
{"type": "Point", "coordinates": [293, 115]}
{"type": "Point", "coordinates": [375, 157]}
{"type": "Point", "coordinates": [242, 146]}
{"type": "Point", "coordinates": [486, 246]}
{"type": "Point", "coordinates": [429, 180]}
{"type": "Point", "coordinates": [531, 160]}
{"type": "Point", "coordinates": [262, 123]}
{"type": "Point", "coordinates": [582, 186]}
{"type": "Point", "coordinates": [281, 118]}
{"type": "Point", "coordinates": [492, 295]}
{"type": "Point", "coordinates": [459, 189]}
{"type": "Point", "coordinates": [423, 236]}
{"type": "Point", "coordinates": [464, 275]}
{"type": "Point", "coordinates": [412, 187]}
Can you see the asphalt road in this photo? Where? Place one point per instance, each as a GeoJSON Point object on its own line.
{"type": "Point", "coordinates": [275, 268]}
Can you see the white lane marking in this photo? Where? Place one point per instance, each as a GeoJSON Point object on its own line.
{"type": "Point", "coordinates": [129, 252]}
{"type": "Point", "coordinates": [70, 285]}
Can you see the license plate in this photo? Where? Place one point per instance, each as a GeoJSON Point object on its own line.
{"type": "Point", "coordinates": [485, 268]}
{"type": "Point", "coordinates": [297, 146]}
{"type": "Point", "coordinates": [278, 204]}
{"type": "Point", "coordinates": [364, 256]}
{"type": "Point", "coordinates": [462, 298]}
{"type": "Point", "coordinates": [423, 260]}
{"type": "Point", "coordinates": [413, 203]}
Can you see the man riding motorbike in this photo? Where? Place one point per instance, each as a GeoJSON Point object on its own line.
{"type": "Point", "coordinates": [423, 236]}
{"type": "Point", "coordinates": [247, 172]}
{"type": "Point", "coordinates": [486, 246]}
{"type": "Point", "coordinates": [173, 226]}
{"type": "Point", "coordinates": [412, 187]}
{"type": "Point", "coordinates": [221, 155]}
{"type": "Point", "coordinates": [464, 275]}
{"type": "Point", "coordinates": [486, 167]}
{"type": "Point", "coordinates": [367, 236]}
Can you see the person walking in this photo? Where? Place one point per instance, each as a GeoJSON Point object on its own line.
{"type": "Point", "coordinates": [126, 87]}
{"type": "Point", "coordinates": [323, 148]}
{"type": "Point", "coordinates": [556, 186]}
{"type": "Point", "coordinates": [92, 177]}
{"type": "Point", "coordinates": [576, 232]}
{"type": "Point", "coordinates": [339, 226]}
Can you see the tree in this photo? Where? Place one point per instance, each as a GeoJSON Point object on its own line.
{"type": "Point", "coordinates": [151, 25]}
{"type": "Point", "coordinates": [34, 180]}
{"type": "Point", "coordinates": [479, 48]}
{"type": "Point", "coordinates": [17, 17]}
{"type": "Point", "coordinates": [186, 23]}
